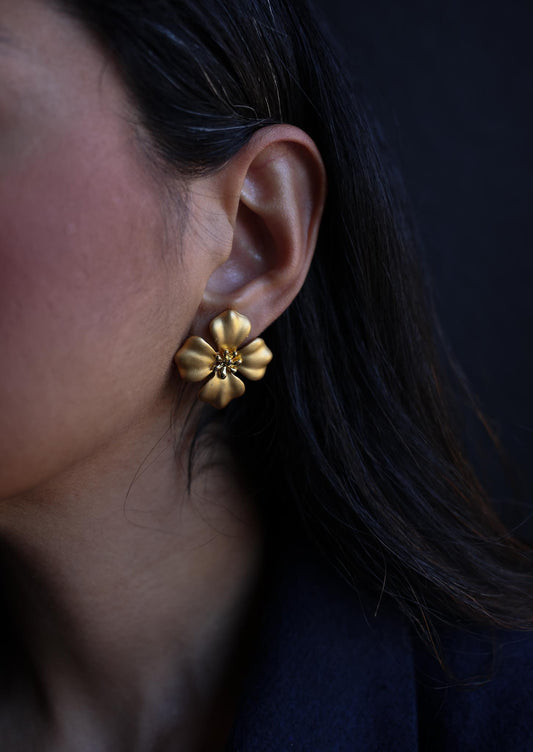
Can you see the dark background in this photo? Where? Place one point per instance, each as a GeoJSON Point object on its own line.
{"type": "Point", "coordinates": [451, 84]}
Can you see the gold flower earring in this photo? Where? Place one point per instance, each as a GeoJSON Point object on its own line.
{"type": "Point", "coordinates": [197, 360]}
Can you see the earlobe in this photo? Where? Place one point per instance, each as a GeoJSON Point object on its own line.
{"type": "Point", "coordinates": [281, 182]}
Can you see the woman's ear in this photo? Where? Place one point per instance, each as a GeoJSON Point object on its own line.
{"type": "Point", "coordinates": [273, 194]}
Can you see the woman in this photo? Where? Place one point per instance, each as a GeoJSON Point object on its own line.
{"type": "Point", "coordinates": [307, 565]}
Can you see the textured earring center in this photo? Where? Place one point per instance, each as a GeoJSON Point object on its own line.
{"type": "Point", "coordinates": [226, 360]}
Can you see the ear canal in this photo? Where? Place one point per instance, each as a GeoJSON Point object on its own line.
{"type": "Point", "coordinates": [249, 257]}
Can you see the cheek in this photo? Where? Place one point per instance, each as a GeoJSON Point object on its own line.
{"type": "Point", "coordinates": [84, 307]}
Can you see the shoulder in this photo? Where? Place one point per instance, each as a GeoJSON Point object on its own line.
{"type": "Point", "coordinates": [484, 700]}
{"type": "Point", "coordinates": [339, 670]}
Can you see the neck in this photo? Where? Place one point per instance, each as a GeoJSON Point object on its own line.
{"type": "Point", "coordinates": [131, 597]}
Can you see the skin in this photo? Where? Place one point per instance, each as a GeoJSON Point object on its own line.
{"type": "Point", "coordinates": [129, 596]}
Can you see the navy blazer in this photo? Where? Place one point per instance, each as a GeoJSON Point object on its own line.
{"type": "Point", "coordinates": [329, 676]}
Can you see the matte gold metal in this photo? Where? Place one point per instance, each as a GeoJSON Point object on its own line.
{"type": "Point", "coordinates": [197, 360]}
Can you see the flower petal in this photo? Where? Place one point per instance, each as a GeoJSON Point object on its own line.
{"type": "Point", "coordinates": [218, 392]}
{"type": "Point", "coordinates": [195, 359]}
{"type": "Point", "coordinates": [230, 329]}
{"type": "Point", "coordinates": [255, 358]}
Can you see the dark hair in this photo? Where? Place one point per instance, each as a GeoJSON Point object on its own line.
{"type": "Point", "coordinates": [352, 427]}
